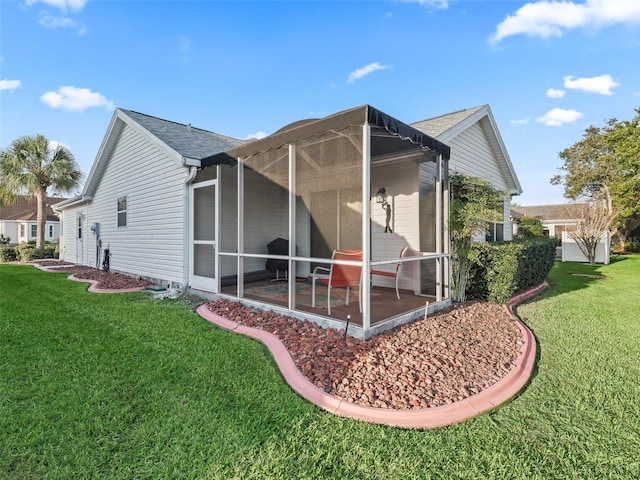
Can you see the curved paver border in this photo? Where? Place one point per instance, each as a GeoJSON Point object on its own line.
{"type": "Point", "coordinates": [93, 287]}
{"type": "Point", "coordinates": [489, 398]}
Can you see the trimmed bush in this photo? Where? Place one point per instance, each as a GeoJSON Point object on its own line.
{"type": "Point", "coordinates": [51, 251]}
{"type": "Point", "coordinates": [502, 270]}
{"type": "Point", "coordinates": [8, 254]}
{"type": "Point", "coordinates": [28, 252]}
{"type": "Point", "coordinates": [632, 247]}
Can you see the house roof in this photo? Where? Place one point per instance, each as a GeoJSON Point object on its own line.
{"type": "Point", "coordinates": [190, 142]}
{"type": "Point", "coordinates": [437, 126]}
{"type": "Point", "coordinates": [25, 209]}
{"type": "Point", "coordinates": [563, 211]}
{"type": "Point", "coordinates": [182, 142]}
{"type": "Point", "coordinates": [365, 114]}
{"type": "Point", "coordinates": [447, 127]}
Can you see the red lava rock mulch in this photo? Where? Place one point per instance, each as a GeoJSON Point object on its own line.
{"type": "Point", "coordinates": [106, 280]}
{"type": "Point", "coordinates": [446, 358]}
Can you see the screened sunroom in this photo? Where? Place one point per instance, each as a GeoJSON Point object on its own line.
{"type": "Point", "coordinates": [340, 218]}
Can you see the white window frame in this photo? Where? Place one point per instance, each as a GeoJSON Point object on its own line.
{"type": "Point", "coordinates": [121, 212]}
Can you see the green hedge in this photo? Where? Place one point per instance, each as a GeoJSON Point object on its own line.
{"type": "Point", "coordinates": [8, 254]}
{"type": "Point", "coordinates": [632, 247]}
{"type": "Point", "coordinates": [502, 270]}
{"type": "Point", "coordinates": [26, 252]}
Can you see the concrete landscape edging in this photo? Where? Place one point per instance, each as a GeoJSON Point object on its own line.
{"type": "Point", "coordinates": [93, 287]}
{"type": "Point", "coordinates": [489, 398]}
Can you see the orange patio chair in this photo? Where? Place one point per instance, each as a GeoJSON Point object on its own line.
{"type": "Point", "coordinates": [392, 274]}
{"type": "Point", "coordinates": [340, 276]}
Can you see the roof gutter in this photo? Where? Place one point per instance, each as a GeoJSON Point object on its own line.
{"type": "Point", "coordinates": [58, 207]}
{"type": "Point", "coordinates": [191, 162]}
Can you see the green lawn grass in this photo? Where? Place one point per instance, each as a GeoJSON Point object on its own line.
{"type": "Point", "coordinates": [123, 386]}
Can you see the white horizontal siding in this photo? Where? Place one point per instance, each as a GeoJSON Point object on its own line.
{"type": "Point", "coordinates": [471, 154]}
{"type": "Point", "coordinates": [400, 181]}
{"type": "Point", "coordinates": [151, 245]}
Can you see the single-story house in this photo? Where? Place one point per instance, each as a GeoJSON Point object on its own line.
{"type": "Point", "coordinates": [477, 149]}
{"type": "Point", "coordinates": [357, 199]}
{"type": "Point", "coordinates": [18, 221]}
{"type": "Point", "coordinates": [558, 220]}
{"type": "Point", "coordinates": [555, 219]}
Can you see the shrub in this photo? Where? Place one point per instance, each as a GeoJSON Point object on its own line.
{"type": "Point", "coordinates": [501, 270]}
{"type": "Point", "coordinates": [51, 251]}
{"type": "Point", "coordinates": [8, 254]}
{"type": "Point", "coordinates": [28, 252]}
{"type": "Point", "coordinates": [632, 247]}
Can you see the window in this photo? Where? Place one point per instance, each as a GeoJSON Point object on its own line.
{"type": "Point", "coordinates": [34, 231]}
{"type": "Point", "coordinates": [22, 230]}
{"type": "Point", "coordinates": [80, 228]}
{"type": "Point", "coordinates": [122, 212]}
{"type": "Point", "coordinates": [495, 232]}
{"type": "Point", "coordinates": [50, 231]}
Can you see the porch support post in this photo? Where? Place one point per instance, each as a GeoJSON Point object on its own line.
{"type": "Point", "coordinates": [439, 232]}
{"type": "Point", "coordinates": [446, 233]}
{"type": "Point", "coordinates": [218, 223]}
{"type": "Point", "coordinates": [240, 266]}
{"type": "Point", "coordinates": [292, 226]}
{"type": "Point", "coordinates": [365, 283]}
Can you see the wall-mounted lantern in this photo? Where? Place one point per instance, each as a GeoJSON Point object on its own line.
{"type": "Point", "coordinates": [381, 198]}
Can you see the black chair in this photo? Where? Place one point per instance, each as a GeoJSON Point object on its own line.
{"type": "Point", "coordinates": [279, 246]}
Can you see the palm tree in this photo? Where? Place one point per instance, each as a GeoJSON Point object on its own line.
{"type": "Point", "coordinates": [29, 167]}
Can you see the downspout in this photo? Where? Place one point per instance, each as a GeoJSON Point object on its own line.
{"type": "Point", "coordinates": [193, 171]}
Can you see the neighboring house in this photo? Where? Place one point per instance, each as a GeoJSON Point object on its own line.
{"type": "Point", "coordinates": [557, 220]}
{"type": "Point", "coordinates": [477, 150]}
{"type": "Point", "coordinates": [184, 206]}
{"type": "Point", "coordinates": [18, 221]}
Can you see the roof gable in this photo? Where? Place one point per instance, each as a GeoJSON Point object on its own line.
{"type": "Point", "coordinates": [447, 127]}
{"type": "Point", "coordinates": [189, 142]}
{"type": "Point", "coordinates": [185, 144]}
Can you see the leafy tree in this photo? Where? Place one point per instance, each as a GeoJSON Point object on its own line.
{"type": "Point", "coordinates": [529, 227]}
{"type": "Point", "coordinates": [30, 167]}
{"type": "Point", "coordinates": [474, 202]}
{"type": "Point", "coordinates": [605, 166]}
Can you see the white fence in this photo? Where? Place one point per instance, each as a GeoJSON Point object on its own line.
{"type": "Point", "coordinates": [571, 251]}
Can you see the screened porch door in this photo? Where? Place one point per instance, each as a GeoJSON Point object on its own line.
{"type": "Point", "coordinates": [204, 236]}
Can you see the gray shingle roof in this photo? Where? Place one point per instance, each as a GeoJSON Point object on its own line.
{"type": "Point", "coordinates": [188, 141]}
{"type": "Point", "coordinates": [25, 209]}
{"type": "Point", "coordinates": [436, 126]}
{"type": "Point", "coordinates": [563, 211]}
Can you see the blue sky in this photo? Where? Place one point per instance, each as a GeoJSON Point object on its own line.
{"type": "Point", "coordinates": [548, 69]}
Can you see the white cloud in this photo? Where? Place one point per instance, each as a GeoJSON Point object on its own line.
{"type": "Point", "coordinates": [10, 85]}
{"type": "Point", "coordinates": [602, 84]}
{"type": "Point", "coordinates": [55, 144]}
{"type": "Point", "coordinates": [553, 93]}
{"type": "Point", "coordinates": [431, 3]}
{"type": "Point", "coordinates": [51, 21]}
{"type": "Point", "coordinates": [76, 99]}
{"type": "Point", "coordinates": [559, 116]}
{"type": "Point", "coordinates": [361, 72]}
{"type": "Point", "coordinates": [551, 18]}
{"type": "Point", "coordinates": [72, 5]}
{"type": "Point", "coordinates": [636, 94]}
{"type": "Point", "coordinates": [257, 136]}
{"type": "Point", "coordinates": [521, 121]}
